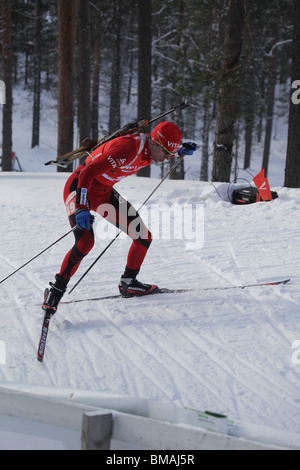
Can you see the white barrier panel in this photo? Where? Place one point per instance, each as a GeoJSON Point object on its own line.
{"type": "Point", "coordinates": [32, 407]}
{"type": "Point", "coordinates": [136, 423]}
{"type": "Point", "coordinates": [136, 432]}
{"type": "Point", "coordinates": [24, 434]}
{"type": "Point", "coordinates": [135, 406]}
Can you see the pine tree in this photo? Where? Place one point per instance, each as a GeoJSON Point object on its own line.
{"type": "Point", "coordinates": [115, 83]}
{"type": "Point", "coordinates": [84, 69]}
{"type": "Point", "coordinates": [7, 78]}
{"type": "Point", "coordinates": [37, 75]}
{"type": "Point", "coordinates": [96, 39]}
{"type": "Point", "coordinates": [270, 101]}
{"type": "Point", "coordinates": [292, 174]}
{"type": "Point", "coordinates": [227, 107]}
{"type": "Point", "coordinates": [66, 40]}
{"type": "Point", "coordinates": [144, 70]}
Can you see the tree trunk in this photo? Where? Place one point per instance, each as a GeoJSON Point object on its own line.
{"type": "Point", "coordinates": [227, 109]}
{"type": "Point", "coordinates": [66, 41]}
{"type": "Point", "coordinates": [248, 143]}
{"type": "Point", "coordinates": [205, 139]}
{"type": "Point", "coordinates": [179, 172]}
{"type": "Point", "coordinates": [37, 75]}
{"type": "Point", "coordinates": [261, 108]}
{"type": "Point", "coordinates": [131, 55]}
{"type": "Point", "coordinates": [84, 73]}
{"type": "Point", "coordinates": [144, 67]}
{"type": "Point", "coordinates": [270, 106]}
{"type": "Point", "coordinates": [7, 79]}
{"type": "Point", "coordinates": [96, 75]}
{"type": "Point", "coordinates": [115, 91]}
{"type": "Point", "coordinates": [292, 172]}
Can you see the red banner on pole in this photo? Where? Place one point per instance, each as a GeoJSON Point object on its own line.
{"type": "Point", "coordinates": [262, 184]}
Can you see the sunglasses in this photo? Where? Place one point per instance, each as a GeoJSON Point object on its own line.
{"type": "Point", "coordinates": [166, 151]}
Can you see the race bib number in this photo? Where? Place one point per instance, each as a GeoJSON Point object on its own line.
{"type": "Point", "coordinates": [70, 203]}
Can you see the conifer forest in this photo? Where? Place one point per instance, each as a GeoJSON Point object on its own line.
{"type": "Point", "coordinates": [237, 62]}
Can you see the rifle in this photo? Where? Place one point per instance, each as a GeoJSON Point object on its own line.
{"type": "Point", "coordinates": [89, 145]}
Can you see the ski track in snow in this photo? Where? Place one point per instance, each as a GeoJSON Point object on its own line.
{"type": "Point", "coordinates": [226, 351]}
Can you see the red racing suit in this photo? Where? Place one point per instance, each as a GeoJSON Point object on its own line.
{"type": "Point", "coordinates": [103, 168]}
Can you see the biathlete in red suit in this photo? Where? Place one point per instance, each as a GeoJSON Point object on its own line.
{"type": "Point", "coordinates": [90, 188]}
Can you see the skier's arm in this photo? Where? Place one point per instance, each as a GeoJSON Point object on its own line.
{"type": "Point", "coordinates": [102, 163]}
{"type": "Point", "coordinates": [123, 148]}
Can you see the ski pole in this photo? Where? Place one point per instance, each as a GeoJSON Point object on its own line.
{"type": "Point", "coordinates": [39, 254]}
{"type": "Point", "coordinates": [118, 234]}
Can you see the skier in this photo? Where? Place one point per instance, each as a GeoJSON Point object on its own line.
{"type": "Point", "coordinates": [90, 187]}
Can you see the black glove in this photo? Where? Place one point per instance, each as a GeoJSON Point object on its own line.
{"type": "Point", "coordinates": [188, 148]}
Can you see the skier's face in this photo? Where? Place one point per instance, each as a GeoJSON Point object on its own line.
{"type": "Point", "coordinates": [158, 153]}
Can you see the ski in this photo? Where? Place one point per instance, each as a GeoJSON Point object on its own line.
{"type": "Point", "coordinates": [43, 338]}
{"type": "Point", "coordinates": [47, 316]}
{"type": "Point", "coordinates": [180, 291]}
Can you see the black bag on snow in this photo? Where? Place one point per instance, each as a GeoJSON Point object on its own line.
{"type": "Point", "coordinates": [248, 195]}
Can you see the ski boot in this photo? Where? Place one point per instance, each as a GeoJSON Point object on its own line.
{"type": "Point", "coordinates": [53, 296]}
{"type": "Point", "coordinates": [131, 287]}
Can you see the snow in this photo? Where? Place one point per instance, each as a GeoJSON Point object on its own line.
{"type": "Point", "coordinates": [226, 351]}
{"type": "Point", "coordinates": [234, 352]}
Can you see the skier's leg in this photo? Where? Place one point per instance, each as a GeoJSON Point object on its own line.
{"type": "Point", "coordinates": [84, 242]}
{"type": "Point", "coordinates": [123, 215]}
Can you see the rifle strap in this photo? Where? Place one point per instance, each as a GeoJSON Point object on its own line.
{"type": "Point", "coordinates": [142, 145]}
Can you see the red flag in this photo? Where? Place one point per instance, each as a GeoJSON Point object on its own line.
{"type": "Point", "coordinates": [262, 184]}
